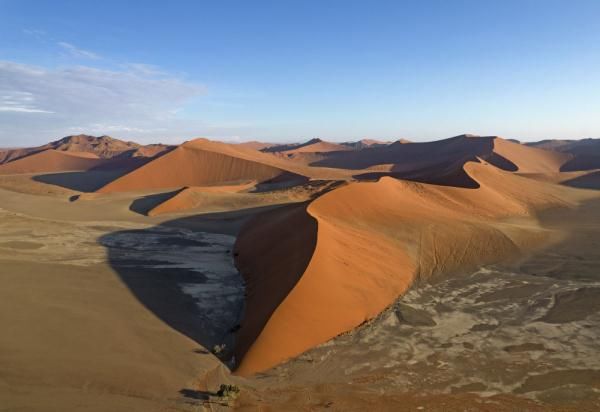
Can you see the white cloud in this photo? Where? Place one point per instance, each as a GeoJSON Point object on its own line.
{"type": "Point", "coordinates": [40, 103]}
{"type": "Point", "coordinates": [19, 102]}
{"type": "Point", "coordinates": [22, 110]}
{"type": "Point", "coordinates": [77, 52]}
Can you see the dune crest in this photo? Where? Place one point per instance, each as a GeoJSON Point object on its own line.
{"type": "Point", "coordinates": [373, 241]}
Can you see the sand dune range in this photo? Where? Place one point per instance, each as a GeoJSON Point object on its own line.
{"type": "Point", "coordinates": [373, 241]}
{"type": "Point", "coordinates": [441, 161]}
{"type": "Point", "coordinates": [202, 162]}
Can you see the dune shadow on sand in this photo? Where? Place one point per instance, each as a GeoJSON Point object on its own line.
{"type": "Point", "coordinates": [196, 395]}
{"type": "Point", "coordinates": [88, 181]}
{"type": "Point", "coordinates": [183, 272]}
{"type": "Point", "coordinates": [587, 181]}
{"type": "Point", "coordinates": [144, 204]}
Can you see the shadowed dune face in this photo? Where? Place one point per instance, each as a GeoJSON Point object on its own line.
{"type": "Point", "coordinates": [271, 278]}
{"type": "Point", "coordinates": [146, 204]}
{"type": "Point", "coordinates": [441, 162]}
{"type": "Point", "coordinates": [373, 240]}
{"type": "Point", "coordinates": [584, 154]}
{"type": "Point", "coordinates": [86, 181]}
{"type": "Point", "coordinates": [584, 161]}
{"type": "Point", "coordinates": [587, 181]}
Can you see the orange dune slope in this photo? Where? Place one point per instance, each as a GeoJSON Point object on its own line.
{"type": "Point", "coordinates": [52, 161]}
{"type": "Point", "coordinates": [316, 271]}
{"type": "Point", "coordinates": [202, 162]}
{"type": "Point", "coordinates": [209, 198]}
{"type": "Point", "coordinates": [198, 163]}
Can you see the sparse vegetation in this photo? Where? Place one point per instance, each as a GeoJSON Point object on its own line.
{"type": "Point", "coordinates": [219, 349]}
{"type": "Point", "coordinates": [229, 392]}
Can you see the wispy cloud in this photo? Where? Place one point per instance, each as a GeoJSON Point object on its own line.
{"type": "Point", "coordinates": [19, 102]}
{"type": "Point", "coordinates": [38, 34]}
{"type": "Point", "coordinates": [36, 100]}
{"type": "Point", "coordinates": [77, 52]}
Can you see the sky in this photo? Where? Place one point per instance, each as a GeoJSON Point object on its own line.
{"type": "Point", "coordinates": [283, 71]}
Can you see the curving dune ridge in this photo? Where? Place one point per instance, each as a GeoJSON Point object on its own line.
{"type": "Point", "coordinates": [373, 240]}
{"type": "Point", "coordinates": [442, 161]}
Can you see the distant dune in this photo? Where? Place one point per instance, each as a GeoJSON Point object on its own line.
{"type": "Point", "coordinates": [441, 162]}
{"type": "Point", "coordinates": [364, 143]}
{"type": "Point", "coordinates": [364, 244]}
{"type": "Point", "coordinates": [52, 161]}
{"type": "Point", "coordinates": [199, 163]}
{"type": "Point", "coordinates": [256, 145]}
{"type": "Point", "coordinates": [311, 146]}
{"type": "Point", "coordinates": [195, 197]}
{"type": "Point", "coordinates": [585, 153]}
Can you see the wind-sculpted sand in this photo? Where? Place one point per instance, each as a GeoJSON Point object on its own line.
{"type": "Point", "coordinates": [373, 241]}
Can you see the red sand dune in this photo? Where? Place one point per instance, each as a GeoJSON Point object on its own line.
{"type": "Point", "coordinates": [530, 159]}
{"type": "Point", "coordinates": [442, 161]}
{"type": "Point", "coordinates": [328, 266]}
{"type": "Point", "coordinates": [195, 197]}
{"type": "Point", "coordinates": [198, 163]}
{"type": "Point", "coordinates": [52, 161]}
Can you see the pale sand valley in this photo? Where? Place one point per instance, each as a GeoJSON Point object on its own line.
{"type": "Point", "coordinates": [457, 274]}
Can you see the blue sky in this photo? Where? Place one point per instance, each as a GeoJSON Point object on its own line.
{"type": "Point", "coordinates": [294, 70]}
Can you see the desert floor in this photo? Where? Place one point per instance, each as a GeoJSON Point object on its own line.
{"type": "Point", "coordinates": [104, 309]}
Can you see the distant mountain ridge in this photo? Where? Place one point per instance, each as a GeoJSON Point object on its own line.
{"type": "Point", "coordinates": [104, 147]}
